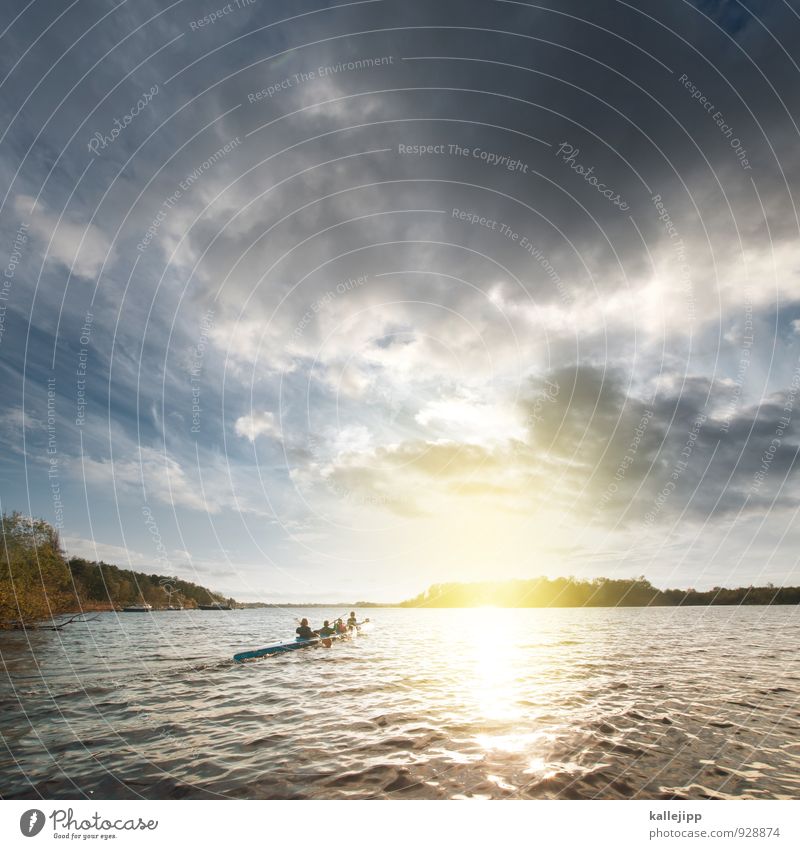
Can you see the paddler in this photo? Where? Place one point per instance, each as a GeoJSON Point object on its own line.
{"type": "Point", "coordinates": [326, 630]}
{"type": "Point", "coordinates": [304, 632]}
{"type": "Point", "coordinates": [341, 628]}
{"type": "Point", "coordinates": [352, 621]}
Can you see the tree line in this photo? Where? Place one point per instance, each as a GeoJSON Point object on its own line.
{"type": "Point", "coordinates": [599, 592]}
{"type": "Point", "coordinates": [38, 582]}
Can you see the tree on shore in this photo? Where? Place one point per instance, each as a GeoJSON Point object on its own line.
{"type": "Point", "coordinates": [38, 583]}
{"type": "Point", "coordinates": [35, 581]}
{"type": "Point", "coordinates": [103, 583]}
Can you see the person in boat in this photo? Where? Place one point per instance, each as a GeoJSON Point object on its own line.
{"type": "Point", "coordinates": [326, 630]}
{"type": "Point", "coordinates": [351, 620]}
{"type": "Point", "coordinates": [341, 628]}
{"type": "Point", "coordinates": [304, 632]}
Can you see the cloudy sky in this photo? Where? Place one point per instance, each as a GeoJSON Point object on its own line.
{"type": "Point", "coordinates": [306, 300]}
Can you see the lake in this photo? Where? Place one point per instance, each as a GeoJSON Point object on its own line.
{"type": "Point", "coordinates": [651, 703]}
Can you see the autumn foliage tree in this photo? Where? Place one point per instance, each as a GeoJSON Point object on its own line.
{"type": "Point", "coordinates": [35, 581]}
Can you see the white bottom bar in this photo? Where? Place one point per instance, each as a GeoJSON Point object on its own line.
{"type": "Point", "coordinates": [401, 824]}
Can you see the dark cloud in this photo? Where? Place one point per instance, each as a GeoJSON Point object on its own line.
{"type": "Point", "coordinates": [487, 266]}
{"type": "Point", "coordinates": [685, 452]}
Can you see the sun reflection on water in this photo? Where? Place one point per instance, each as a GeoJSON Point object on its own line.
{"type": "Point", "coordinates": [492, 660]}
{"type": "Point", "coordinates": [512, 743]}
{"type": "Point", "coordinates": [503, 693]}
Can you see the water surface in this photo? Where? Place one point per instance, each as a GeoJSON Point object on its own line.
{"type": "Point", "coordinates": [574, 703]}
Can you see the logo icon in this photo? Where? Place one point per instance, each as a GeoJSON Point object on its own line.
{"type": "Point", "coordinates": [31, 822]}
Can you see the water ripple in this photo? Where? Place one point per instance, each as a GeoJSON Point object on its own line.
{"type": "Point", "coordinates": [574, 704]}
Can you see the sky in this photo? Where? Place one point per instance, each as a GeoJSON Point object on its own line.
{"type": "Point", "coordinates": [316, 301]}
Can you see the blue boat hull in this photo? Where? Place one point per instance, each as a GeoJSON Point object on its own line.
{"type": "Point", "coordinates": [280, 648]}
{"type": "Point", "coordinates": [294, 645]}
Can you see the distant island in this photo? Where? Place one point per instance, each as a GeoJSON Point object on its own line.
{"type": "Point", "coordinates": [600, 592]}
{"type": "Point", "coordinates": [257, 605]}
{"type": "Point", "coordinates": [38, 583]}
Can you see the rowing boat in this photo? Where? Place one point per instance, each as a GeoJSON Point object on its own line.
{"type": "Point", "coordinates": [294, 645]}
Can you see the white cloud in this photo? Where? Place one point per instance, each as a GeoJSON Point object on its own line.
{"type": "Point", "coordinates": [257, 424]}
{"type": "Point", "coordinates": [76, 245]}
{"type": "Point", "coordinates": [92, 549]}
{"type": "Point", "coordinates": [352, 439]}
{"type": "Point", "coordinates": [162, 476]}
{"type": "Point", "coordinates": [471, 422]}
